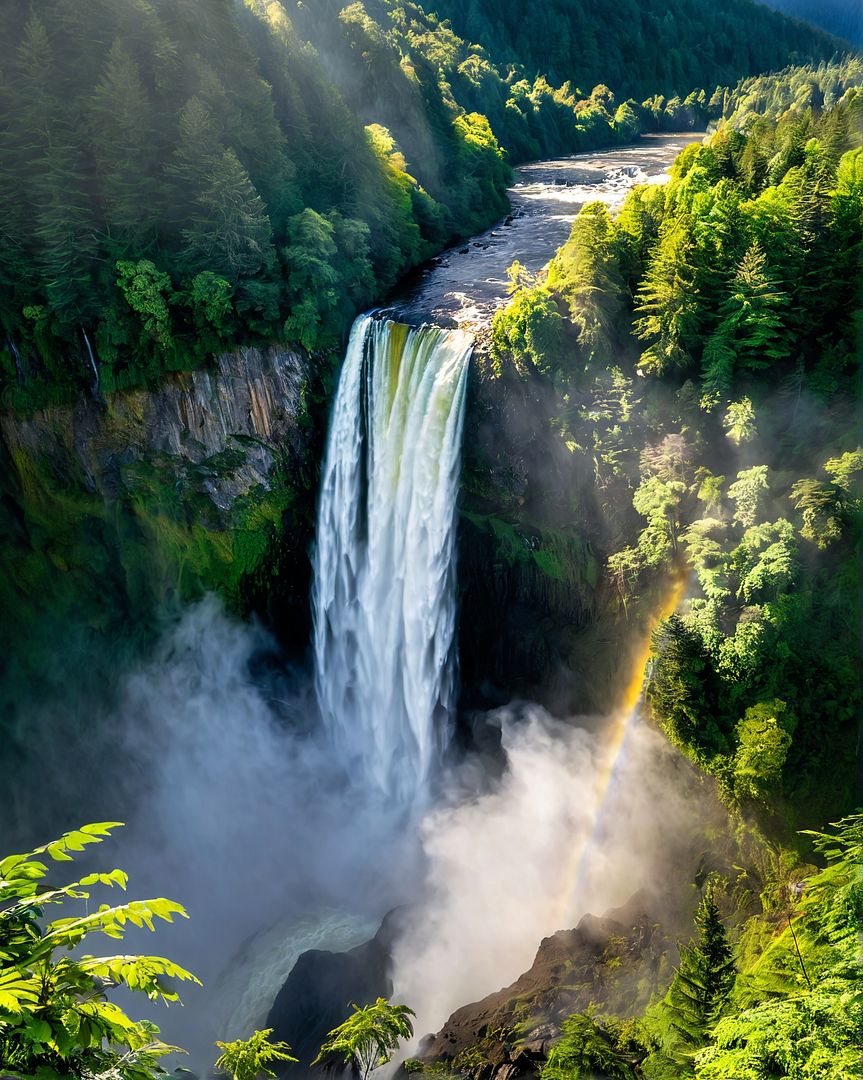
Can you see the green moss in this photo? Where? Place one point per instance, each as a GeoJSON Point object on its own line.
{"type": "Point", "coordinates": [82, 571]}
{"type": "Point", "coordinates": [561, 558]}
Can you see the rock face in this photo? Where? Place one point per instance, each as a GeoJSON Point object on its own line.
{"type": "Point", "coordinates": [618, 961]}
{"type": "Point", "coordinates": [115, 511]}
{"type": "Point", "coordinates": [322, 986]}
{"type": "Point", "coordinates": [539, 618]}
{"type": "Point", "coordinates": [250, 402]}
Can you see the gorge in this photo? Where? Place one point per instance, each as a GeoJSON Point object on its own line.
{"type": "Point", "coordinates": [415, 822]}
{"type": "Point", "coordinates": [431, 502]}
{"type": "Point", "coordinates": [384, 642]}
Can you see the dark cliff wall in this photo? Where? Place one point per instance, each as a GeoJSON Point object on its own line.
{"type": "Point", "coordinates": [115, 512]}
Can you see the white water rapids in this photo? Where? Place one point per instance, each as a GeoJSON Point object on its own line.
{"type": "Point", "coordinates": [384, 585]}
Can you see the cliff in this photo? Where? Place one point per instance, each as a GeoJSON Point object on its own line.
{"type": "Point", "coordinates": [114, 511]}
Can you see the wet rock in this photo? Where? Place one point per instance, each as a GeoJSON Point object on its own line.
{"type": "Point", "coordinates": [322, 986]}
{"type": "Point", "coordinates": [609, 960]}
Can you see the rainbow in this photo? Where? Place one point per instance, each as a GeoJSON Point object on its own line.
{"type": "Point", "coordinates": [623, 719]}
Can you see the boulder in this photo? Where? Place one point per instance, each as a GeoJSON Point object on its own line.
{"type": "Point", "coordinates": [617, 960]}
{"type": "Point", "coordinates": [322, 987]}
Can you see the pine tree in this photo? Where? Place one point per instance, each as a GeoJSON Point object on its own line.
{"type": "Point", "coordinates": [704, 977]}
{"type": "Point", "coordinates": [66, 233]}
{"type": "Point", "coordinates": [587, 273]}
{"type": "Point", "coordinates": [229, 231]}
{"type": "Point", "coordinates": [667, 302]}
{"type": "Point", "coordinates": [45, 150]}
{"type": "Point", "coordinates": [123, 139]}
{"type": "Point", "coordinates": [754, 309]}
{"type": "Point", "coordinates": [751, 332]}
{"type": "Point", "coordinates": [197, 149]}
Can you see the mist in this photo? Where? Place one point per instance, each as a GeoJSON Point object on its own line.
{"type": "Point", "coordinates": [237, 811]}
{"type": "Point", "coordinates": [237, 808]}
{"type": "Point", "coordinates": [568, 830]}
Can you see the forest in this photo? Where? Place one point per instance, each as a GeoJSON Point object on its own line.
{"type": "Point", "coordinates": [844, 20]}
{"type": "Point", "coordinates": [284, 164]}
{"type": "Point", "coordinates": [639, 48]}
{"type": "Point", "coordinates": [736, 451]}
{"type": "Point", "coordinates": [662, 455]}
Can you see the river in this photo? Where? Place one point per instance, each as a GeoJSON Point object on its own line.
{"type": "Point", "coordinates": [466, 284]}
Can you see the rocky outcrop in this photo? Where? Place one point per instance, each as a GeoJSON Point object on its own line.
{"type": "Point", "coordinates": [616, 961]}
{"type": "Point", "coordinates": [250, 403]}
{"type": "Point", "coordinates": [322, 986]}
{"type": "Point", "coordinates": [113, 511]}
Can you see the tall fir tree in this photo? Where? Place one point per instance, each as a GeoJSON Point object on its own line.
{"type": "Point", "coordinates": [704, 977]}
{"type": "Point", "coordinates": [229, 231]}
{"type": "Point", "coordinates": [123, 137]}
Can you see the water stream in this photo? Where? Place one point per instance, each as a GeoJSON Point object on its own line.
{"type": "Point", "coordinates": [384, 586]}
{"type": "Point", "coordinates": [465, 285]}
{"type": "Point", "coordinates": [384, 595]}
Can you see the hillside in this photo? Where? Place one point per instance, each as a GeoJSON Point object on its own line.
{"type": "Point", "coordinates": [638, 47]}
{"type": "Point", "coordinates": [844, 18]}
{"type": "Point", "coordinates": [179, 177]}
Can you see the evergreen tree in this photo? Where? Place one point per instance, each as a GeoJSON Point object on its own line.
{"type": "Point", "coordinates": [66, 232]}
{"type": "Point", "coordinates": [667, 303]}
{"type": "Point", "coordinates": [124, 145]}
{"type": "Point", "coordinates": [45, 158]}
{"type": "Point", "coordinates": [704, 976]}
{"type": "Point", "coordinates": [754, 311]}
{"type": "Point", "coordinates": [587, 274]}
{"type": "Point", "coordinates": [197, 149]}
{"type": "Point", "coordinates": [229, 231]}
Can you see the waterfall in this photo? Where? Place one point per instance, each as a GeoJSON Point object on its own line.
{"type": "Point", "coordinates": [384, 575]}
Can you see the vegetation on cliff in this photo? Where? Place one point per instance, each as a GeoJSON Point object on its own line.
{"type": "Point", "coordinates": [179, 175]}
{"type": "Point", "coordinates": [783, 1001]}
{"type": "Point", "coordinates": [701, 355]}
{"type": "Point", "coordinates": [704, 346]}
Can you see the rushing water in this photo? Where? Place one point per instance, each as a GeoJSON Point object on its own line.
{"type": "Point", "coordinates": [468, 283]}
{"type": "Point", "coordinates": [384, 644]}
{"type": "Point", "coordinates": [384, 587]}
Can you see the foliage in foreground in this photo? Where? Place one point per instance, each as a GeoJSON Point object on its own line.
{"type": "Point", "coordinates": [369, 1037]}
{"type": "Point", "coordinates": [793, 1010]}
{"type": "Point", "coordinates": [56, 1019]}
{"type": "Point", "coordinates": [799, 1002]}
{"type": "Point", "coordinates": [248, 1059]}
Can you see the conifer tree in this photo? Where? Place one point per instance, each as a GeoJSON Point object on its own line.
{"type": "Point", "coordinates": [197, 148]}
{"type": "Point", "coordinates": [45, 148]}
{"type": "Point", "coordinates": [123, 139]}
{"type": "Point", "coordinates": [704, 977]}
{"type": "Point", "coordinates": [751, 332]}
{"type": "Point", "coordinates": [754, 311]}
{"type": "Point", "coordinates": [667, 303]}
{"type": "Point", "coordinates": [229, 231]}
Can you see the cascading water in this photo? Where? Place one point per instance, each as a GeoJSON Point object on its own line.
{"type": "Point", "coordinates": [384, 575]}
